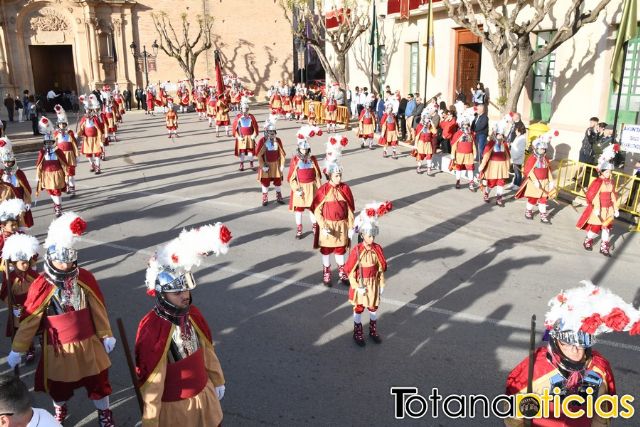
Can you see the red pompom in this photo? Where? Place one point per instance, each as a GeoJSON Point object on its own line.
{"type": "Point", "coordinates": [332, 141]}
{"type": "Point", "coordinates": [344, 141]}
{"type": "Point", "coordinates": [590, 324]}
{"type": "Point", "coordinates": [319, 132]}
{"type": "Point", "coordinates": [371, 212]}
{"type": "Point", "coordinates": [616, 148]}
{"type": "Point", "coordinates": [617, 319]}
{"type": "Point", "coordinates": [596, 291]}
{"type": "Point", "coordinates": [635, 329]}
{"type": "Point", "coordinates": [300, 136]}
{"type": "Point", "coordinates": [151, 292]}
{"type": "Point", "coordinates": [382, 209]}
{"type": "Point", "coordinates": [174, 258]}
{"type": "Point", "coordinates": [45, 120]}
{"type": "Point", "coordinates": [225, 234]}
{"type": "Point", "coordinates": [2, 143]}
{"type": "Point", "coordinates": [561, 298]}
{"type": "Point", "coordinates": [78, 226]}
{"type": "Point", "coordinates": [389, 206]}
{"type": "Point", "coordinates": [312, 134]}
{"type": "Point", "coordinates": [556, 133]}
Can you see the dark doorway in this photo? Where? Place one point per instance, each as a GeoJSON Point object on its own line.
{"type": "Point", "coordinates": [53, 68]}
{"type": "Point", "coordinates": [468, 60]}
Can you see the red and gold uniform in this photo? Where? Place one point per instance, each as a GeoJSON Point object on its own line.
{"type": "Point", "coordinates": [171, 120]}
{"type": "Point", "coordinates": [333, 207]}
{"type": "Point", "coordinates": [245, 130]}
{"type": "Point", "coordinates": [388, 132]}
{"type": "Point", "coordinates": [73, 323]}
{"type": "Point", "coordinates": [463, 152]}
{"type": "Point", "coordinates": [494, 168]}
{"type": "Point", "coordinates": [275, 103]}
{"type": "Point", "coordinates": [211, 107]}
{"type": "Point", "coordinates": [151, 102]}
{"type": "Point", "coordinates": [20, 282]}
{"type": "Point", "coordinates": [178, 371]}
{"type": "Point", "coordinates": [271, 159]}
{"type": "Point", "coordinates": [366, 126]}
{"type": "Point", "coordinates": [298, 106]}
{"type": "Point", "coordinates": [603, 203]}
{"type": "Point", "coordinates": [425, 145]}
{"type": "Point", "coordinates": [201, 101]}
{"type": "Point", "coordinates": [92, 135]}
{"type": "Point", "coordinates": [330, 112]}
{"type": "Point", "coordinates": [537, 185]}
{"type": "Point", "coordinates": [304, 177]}
{"type": "Point", "coordinates": [222, 113]}
{"type": "Point", "coordinates": [52, 170]}
{"type": "Point", "coordinates": [110, 119]}
{"type": "Point", "coordinates": [547, 375]}
{"type": "Point", "coordinates": [287, 107]}
{"type": "Point", "coordinates": [21, 190]}
{"type": "Point", "coordinates": [365, 267]}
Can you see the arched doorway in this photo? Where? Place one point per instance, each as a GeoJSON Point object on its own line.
{"type": "Point", "coordinates": [61, 78]}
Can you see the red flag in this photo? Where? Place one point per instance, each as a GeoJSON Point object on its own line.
{"type": "Point", "coordinates": [219, 83]}
{"type": "Point", "coordinates": [404, 9]}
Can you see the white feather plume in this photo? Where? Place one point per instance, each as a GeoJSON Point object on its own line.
{"type": "Point", "coordinates": [61, 233]}
{"type": "Point", "coordinates": [20, 247]}
{"type": "Point", "coordinates": [12, 208]}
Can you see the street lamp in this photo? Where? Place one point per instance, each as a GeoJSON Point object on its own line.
{"type": "Point", "coordinates": [145, 56]}
{"type": "Point", "coordinates": [301, 47]}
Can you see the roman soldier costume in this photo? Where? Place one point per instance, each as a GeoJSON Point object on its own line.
{"type": "Point", "coordinates": [538, 185]}
{"type": "Point", "coordinates": [425, 141]}
{"type": "Point", "coordinates": [366, 127]}
{"type": "Point", "coordinates": [463, 149]}
{"type": "Point", "coordinates": [68, 307]}
{"type": "Point", "coordinates": [14, 182]}
{"type": "Point", "coordinates": [184, 96]}
{"type": "Point", "coordinates": [603, 204]}
{"type": "Point", "coordinates": [275, 102]}
{"type": "Point", "coordinates": [180, 377]}
{"type": "Point", "coordinates": [494, 167]}
{"type": "Point", "coordinates": [245, 130]}
{"type": "Point", "coordinates": [304, 178]}
{"type": "Point", "coordinates": [298, 105]}
{"type": "Point", "coordinates": [11, 213]}
{"type": "Point", "coordinates": [311, 118]}
{"type": "Point", "coordinates": [108, 111]}
{"type": "Point", "coordinates": [211, 107]}
{"type": "Point", "coordinates": [171, 119]}
{"type": "Point", "coordinates": [389, 131]}
{"type": "Point", "coordinates": [271, 159]}
{"type": "Point", "coordinates": [67, 143]}
{"type": "Point", "coordinates": [287, 107]}
{"type": "Point", "coordinates": [19, 253]}
{"type": "Point", "coordinates": [222, 115]}
{"type": "Point", "coordinates": [151, 101]}
{"type": "Point", "coordinates": [51, 167]}
{"type": "Point", "coordinates": [92, 134]}
{"type": "Point", "coordinates": [333, 207]}
{"type": "Point", "coordinates": [330, 113]}
{"type": "Point", "coordinates": [365, 268]}
{"type": "Point", "coordinates": [575, 317]}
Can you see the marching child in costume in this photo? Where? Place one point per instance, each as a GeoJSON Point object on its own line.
{"type": "Point", "coordinates": [287, 107]}
{"type": "Point", "coordinates": [603, 204]}
{"type": "Point", "coordinates": [494, 167]}
{"type": "Point", "coordinates": [245, 130]}
{"type": "Point", "coordinates": [333, 153]}
{"type": "Point", "coordinates": [151, 101]}
{"type": "Point", "coordinates": [568, 366]}
{"type": "Point", "coordinates": [311, 120]}
{"type": "Point", "coordinates": [171, 119]}
{"type": "Point", "coordinates": [463, 149]}
{"type": "Point", "coordinates": [304, 178]}
{"type": "Point", "coordinates": [271, 159]}
{"type": "Point", "coordinates": [365, 268]}
{"type": "Point", "coordinates": [67, 143]}
{"type": "Point", "coordinates": [110, 120]}
{"type": "Point", "coordinates": [538, 185]}
{"type": "Point", "coordinates": [18, 254]}
{"type": "Point", "coordinates": [222, 116]}
{"type": "Point", "coordinates": [184, 96]}
{"type": "Point", "coordinates": [333, 208]}
{"type": "Point", "coordinates": [180, 376]}
{"type": "Point", "coordinates": [331, 113]}
{"type": "Point", "coordinates": [298, 105]}
{"type": "Point", "coordinates": [14, 180]}
{"type": "Point", "coordinates": [66, 303]}
{"type": "Point", "coordinates": [91, 132]}
{"type": "Point", "coordinates": [275, 102]}
{"type": "Point", "coordinates": [211, 108]}
{"type": "Point", "coordinates": [366, 127]}
{"type": "Point", "coordinates": [425, 141]}
{"type": "Point", "coordinates": [11, 213]}
{"type": "Point", "coordinates": [51, 167]}
{"type": "Point", "coordinates": [389, 131]}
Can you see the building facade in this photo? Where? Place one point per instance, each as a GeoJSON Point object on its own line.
{"type": "Point", "coordinates": [564, 89]}
{"type": "Point", "coordinates": [81, 44]}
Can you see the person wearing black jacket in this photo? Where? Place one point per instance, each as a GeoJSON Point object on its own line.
{"type": "Point", "coordinates": [417, 113]}
{"type": "Point", "coordinates": [140, 98]}
{"type": "Point", "coordinates": [480, 126]}
{"type": "Point", "coordinates": [402, 120]}
{"type": "Point", "coordinates": [126, 94]}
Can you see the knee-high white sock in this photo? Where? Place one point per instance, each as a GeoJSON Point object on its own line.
{"type": "Point", "coordinates": [499, 190]}
{"type": "Point", "coordinates": [72, 181]}
{"type": "Point", "coordinates": [458, 175]}
{"type": "Point", "coordinates": [339, 259]}
{"type": "Point", "coordinates": [298, 217]}
{"type": "Point", "coordinates": [226, 128]}
{"type": "Point", "coordinates": [56, 199]}
{"type": "Point", "coordinates": [373, 315]}
{"type": "Point", "coordinates": [242, 157]}
{"type": "Point", "coordinates": [265, 189]}
{"type": "Point", "coordinates": [591, 235]}
{"type": "Point", "coordinates": [102, 404]}
{"type": "Point", "coordinates": [542, 207]}
{"type": "Point", "coordinates": [529, 206]}
{"type": "Point", "coordinates": [470, 175]}
{"type": "Point", "coordinates": [250, 157]}
{"type": "Point", "coordinates": [326, 261]}
{"type": "Point", "coordinates": [419, 164]}
{"type": "Point", "coordinates": [98, 161]}
{"type": "Point", "coordinates": [429, 163]}
{"type": "Point", "coordinates": [357, 317]}
{"type": "Point", "coordinates": [606, 234]}
{"type": "Point", "coordinates": [312, 217]}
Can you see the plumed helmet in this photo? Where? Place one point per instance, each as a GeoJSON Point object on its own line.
{"type": "Point", "coordinates": [64, 233]}
{"type": "Point", "coordinates": [6, 150]}
{"type": "Point", "coordinates": [605, 161]}
{"type": "Point", "coordinates": [304, 134]}
{"type": "Point", "coordinates": [11, 210]}
{"type": "Point", "coordinates": [20, 247]}
{"type": "Point", "coordinates": [366, 223]}
{"type": "Point", "coordinates": [61, 114]}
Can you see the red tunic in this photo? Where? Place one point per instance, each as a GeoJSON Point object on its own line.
{"type": "Point", "coordinates": [592, 192]}
{"type": "Point", "coordinates": [346, 193]}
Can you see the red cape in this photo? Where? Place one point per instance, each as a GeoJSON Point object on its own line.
{"type": "Point", "coordinates": [234, 129]}
{"type": "Point", "coordinates": [592, 192]}
{"type": "Point", "coordinates": [528, 166]}
{"type": "Point", "coordinates": [59, 153]}
{"type": "Point", "coordinates": [152, 337]}
{"type": "Point", "coordinates": [353, 257]}
{"type": "Point", "coordinates": [486, 154]}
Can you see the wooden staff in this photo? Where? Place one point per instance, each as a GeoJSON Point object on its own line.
{"type": "Point", "coordinates": [130, 364]}
{"type": "Point", "coordinates": [532, 352]}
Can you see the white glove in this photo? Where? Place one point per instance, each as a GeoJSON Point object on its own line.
{"type": "Point", "coordinates": [362, 290]}
{"type": "Point", "coordinates": [265, 168]}
{"type": "Point", "coordinates": [17, 312]}
{"type": "Point", "coordinates": [381, 291]}
{"type": "Point", "coordinates": [300, 192]}
{"type": "Point", "coordinates": [536, 183]}
{"type": "Point", "coordinates": [326, 231]}
{"type": "Point", "coordinates": [220, 392]}
{"type": "Point", "coordinates": [109, 344]}
{"type": "Point", "coordinates": [616, 214]}
{"type": "Point", "coordinates": [14, 359]}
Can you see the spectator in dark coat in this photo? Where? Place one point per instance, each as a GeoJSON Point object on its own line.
{"type": "Point", "coordinates": [480, 126]}
{"type": "Point", "coordinates": [126, 94]}
{"type": "Point", "coordinates": [140, 98]}
{"type": "Point", "coordinates": [402, 120]}
{"type": "Point", "coordinates": [10, 104]}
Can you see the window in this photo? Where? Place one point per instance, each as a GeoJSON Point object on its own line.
{"type": "Point", "coordinates": [413, 67]}
{"type": "Point", "coordinates": [543, 80]}
{"type": "Point", "coordinates": [630, 99]}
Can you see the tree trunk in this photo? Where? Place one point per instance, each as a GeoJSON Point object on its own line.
{"type": "Point", "coordinates": [517, 84]}
{"type": "Point", "coordinates": [325, 62]}
{"type": "Point", "coordinates": [504, 85]}
{"type": "Point", "coordinates": [341, 69]}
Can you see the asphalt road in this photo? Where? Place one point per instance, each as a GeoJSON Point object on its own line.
{"type": "Point", "coordinates": [464, 278]}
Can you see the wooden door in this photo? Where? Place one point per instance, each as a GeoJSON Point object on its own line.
{"type": "Point", "coordinates": [468, 68]}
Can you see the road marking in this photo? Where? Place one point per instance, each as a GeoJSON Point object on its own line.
{"type": "Point", "coordinates": [282, 281]}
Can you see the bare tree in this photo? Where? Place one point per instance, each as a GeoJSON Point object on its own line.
{"type": "Point", "coordinates": [309, 25]}
{"type": "Point", "coordinates": [179, 45]}
{"type": "Point", "coordinates": [507, 35]}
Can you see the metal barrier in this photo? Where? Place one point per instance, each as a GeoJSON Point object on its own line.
{"type": "Point", "coordinates": [343, 112]}
{"type": "Point", "coordinates": [575, 177]}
